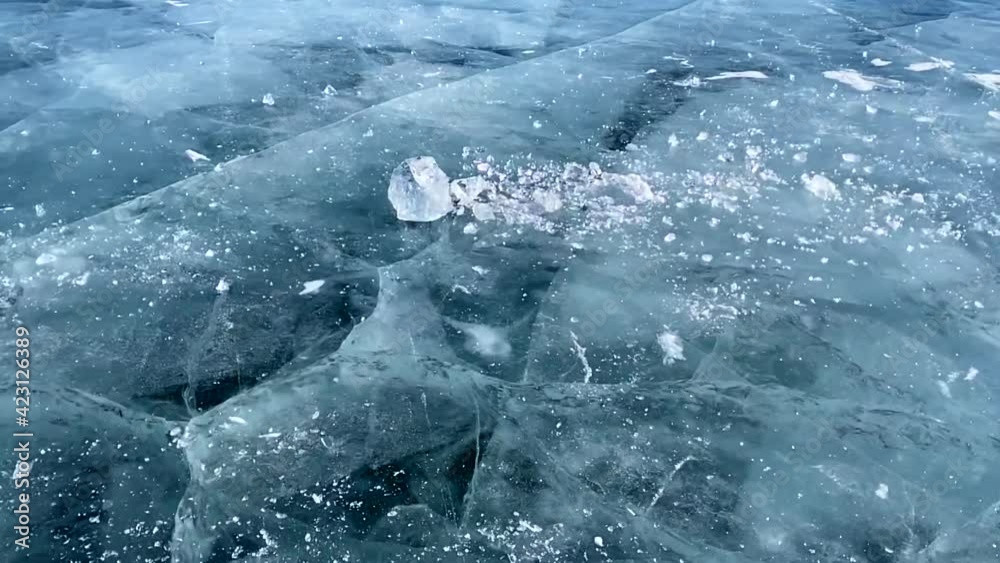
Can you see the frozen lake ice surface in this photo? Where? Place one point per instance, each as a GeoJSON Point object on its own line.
{"type": "Point", "coordinates": [547, 281]}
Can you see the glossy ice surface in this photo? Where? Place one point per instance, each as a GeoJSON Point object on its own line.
{"type": "Point", "coordinates": [716, 281]}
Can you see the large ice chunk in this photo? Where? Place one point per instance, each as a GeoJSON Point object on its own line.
{"type": "Point", "coordinates": [419, 190]}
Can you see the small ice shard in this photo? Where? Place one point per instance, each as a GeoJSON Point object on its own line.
{"type": "Point", "coordinates": [237, 420]}
{"type": "Point", "coordinates": [669, 237]}
{"type": "Point", "coordinates": [990, 81]}
{"type": "Point", "coordinates": [971, 374]}
{"type": "Point", "coordinates": [222, 286]}
{"type": "Point", "coordinates": [311, 287]}
{"type": "Point", "coordinates": [930, 65]}
{"type": "Point", "coordinates": [598, 541]}
{"type": "Point", "coordinates": [741, 74]}
{"type": "Point", "coordinates": [702, 136]}
{"type": "Point", "coordinates": [880, 62]}
{"type": "Point", "coordinates": [420, 191]}
{"type": "Point", "coordinates": [39, 210]}
{"type": "Point", "coordinates": [466, 190]}
{"type": "Point", "coordinates": [633, 185]}
{"type": "Point", "coordinates": [547, 199]}
{"type": "Point", "coordinates": [45, 258]}
{"type": "Point", "coordinates": [994, 114]}
{"type": "Point", "coordinates": [195, 156]}
{"type": "Point", "coordinates": [329, 91]}
{"type": "Point", "coordinates": [672, 346]}
{"type": "Point", "coordinates": [177, 3]}
{"type": "Point", "coordinates": [821, 187]}
{"type": "Point", "coordinates": [850, 157]}
{"type": "Point", "coordinates": [882, 491]}
{"type": "Point", "coordinates": [268, 99]}
{"type": "Point", "coordinates": [858, 81]}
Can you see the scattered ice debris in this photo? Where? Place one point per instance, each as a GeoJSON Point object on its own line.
{"type": "Point", "coordinates": [420, 191]}
{"type": "Point", "coordinates": [821, 187]}
{"type": "Point", "coordinates": [237, 420]}
{"type": "Point", "coordinates": [882, 491]}
{"type": "Point", "coordinates": [268, 99]}
{"type": "Point", "coordinates": [930, 65]}
{"type": "Point", "coordinates": [672, 346]}
{"type": "Point", "coordinates": [990, 81]}
{"type": "Point", "coordinates": [222, 286]}
{"type": "Point", "coordinates": [741, 74]}
{"type": "Point", "coordinates": [858, 81]}
{"type": "Point", "coordinates": [195, 156]}
{"type": "Point", "coordinates": [880, 62]}
{"type": "Point", "coordinates": [311, 287]}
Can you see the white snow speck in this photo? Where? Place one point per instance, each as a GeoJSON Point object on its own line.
{"type": "Point", "coordinates": [672, 346]}
{"type": "Point", "coordinates": [880, 62]}
{"type": "Point", "coordinates": [195, 156]}
{"type": "Point", "coordinates": [329, 91]}
{"type": "Point", "coordinates": [209, 253]}
{"type": "Point", "coordinates": [706, 258]}
{"type": "Point", "coordinates": [702, 136]}
{"type": "Point", "coordinates": [850, 157]}
{"type": "Point", "coordinates": [237, 420]}
{"type": "Point", "coordinates": [311, 287]}
{"type": "Point", "coordinates": [669, 237]}
{"type": "Point", "coordinates": [821, 187]}
{"type": "Point", "coordinates": [882, 491]}
{"type": "Point", "coordinates": [598, 541]}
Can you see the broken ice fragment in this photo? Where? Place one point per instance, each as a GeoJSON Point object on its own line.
{"type": "Point", "coordinates": [858, 81]}
{"type": "Point", "coordinates": [311, 287]}
{"type": "Point", "coordinates": [195, 156]}
{"type": "Point", "coordinates": [419, 190]}
{"type": "Point", "coordinates": [672, 346]}
{"type": "Point", "coordinates": [268, 99]}
{"type": "Point", "coordinates": [741, 74]}
{"type": "Point", "coordinates": [821, 187]}
{"type": "Point", "coordinates": [329, 91]}
{"type": "Point", "coordinates": [883, 491]}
